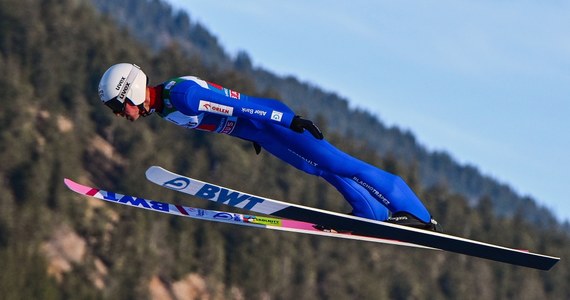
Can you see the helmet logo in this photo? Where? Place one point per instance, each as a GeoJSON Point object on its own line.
{"type": "Point", "coordinates": [118, 88]}
{"type": "Point", "coordinates": [124, 91]}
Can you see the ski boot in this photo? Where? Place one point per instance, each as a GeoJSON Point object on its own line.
{"type": "Point", "coordinates": [406, 219]}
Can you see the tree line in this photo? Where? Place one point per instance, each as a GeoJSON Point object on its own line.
{"type": "Point", "coordinates": [52, 54]}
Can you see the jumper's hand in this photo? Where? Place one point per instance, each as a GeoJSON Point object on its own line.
{"type": "Point", "coordinates": [299, 125]}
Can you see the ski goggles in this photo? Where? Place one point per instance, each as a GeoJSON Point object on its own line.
{"type": "Point", "coordinates": [119, 108]}
{"type": "Point", "coordinates": [116, 105]}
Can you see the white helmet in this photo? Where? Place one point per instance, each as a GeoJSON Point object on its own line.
{"type": "Point", "coordinates": [123, 82]}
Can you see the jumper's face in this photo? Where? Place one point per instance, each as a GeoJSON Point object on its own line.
{"type": "Point", "coordinates": [132, 112]}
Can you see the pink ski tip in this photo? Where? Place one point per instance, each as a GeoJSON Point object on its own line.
{"type": "Point", "coordinates": [76, 187]}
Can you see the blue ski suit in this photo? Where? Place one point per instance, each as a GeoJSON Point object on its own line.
{"type": "Point", "coordinates": [194, 103]}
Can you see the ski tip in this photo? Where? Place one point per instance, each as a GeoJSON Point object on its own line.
{"type": "Point", "coordinates": [156, 171]}
{"type": "Point", "coordinates": [68, 182]}
{"type": "Point", "coordinates": [72, 185]}
{"type": "Point", "coordinates": [152, 169]}
{"type": "Point", "coordinates": [76, 187]}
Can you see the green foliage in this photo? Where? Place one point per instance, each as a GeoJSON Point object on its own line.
{"type": "Point", "coordinates": [52, 54]}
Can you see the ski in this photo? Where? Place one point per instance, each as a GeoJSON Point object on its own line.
{"type": "Point", "coordinates": [356, 225]}
{"type": "Point", "coordinates": [222, 216]}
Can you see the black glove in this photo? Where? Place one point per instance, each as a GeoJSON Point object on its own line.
{"type": "Point", "coordinates": [299, 125]}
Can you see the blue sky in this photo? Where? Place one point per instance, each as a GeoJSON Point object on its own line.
{"type": "Point", "coordinates": [486, 81]}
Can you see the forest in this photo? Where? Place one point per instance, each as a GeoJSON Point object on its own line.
{"type": "Point", "coordinates": [58, 245]}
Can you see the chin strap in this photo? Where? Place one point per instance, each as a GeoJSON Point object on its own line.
{"type": "Point", "coordinates": [143, 112]}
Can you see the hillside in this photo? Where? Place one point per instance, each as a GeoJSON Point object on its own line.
{"type": "Point", "coordinates": [54, 244]}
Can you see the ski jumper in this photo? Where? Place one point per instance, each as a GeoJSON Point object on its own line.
{"type": "Point", "coordinates": [194, 103]}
